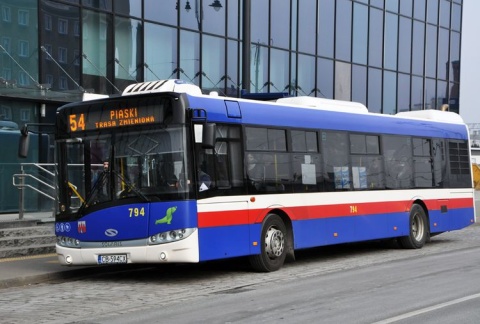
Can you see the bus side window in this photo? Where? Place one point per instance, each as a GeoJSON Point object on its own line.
{"type": "Point", "coordinates": [398, 162]}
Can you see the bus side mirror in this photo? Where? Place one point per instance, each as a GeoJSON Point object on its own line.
{"type": "Point", "coordinates": [208, 135]}
{"type": "Point", "coordinates": [23, 143]}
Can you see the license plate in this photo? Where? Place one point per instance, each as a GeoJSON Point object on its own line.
{"type": "Point", "coordinates": [112, 259]}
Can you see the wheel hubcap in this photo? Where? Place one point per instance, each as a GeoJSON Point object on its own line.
{"type": "Point", "coordinates": [417, 227]}
{"type": "Point", "coordinates": [274, 243]}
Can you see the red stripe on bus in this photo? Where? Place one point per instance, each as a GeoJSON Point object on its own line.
{"type": "Point", "coordinates": [243, 217]}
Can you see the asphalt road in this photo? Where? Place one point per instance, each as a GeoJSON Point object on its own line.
{"type": "Point", "coordinates": [355, 283]}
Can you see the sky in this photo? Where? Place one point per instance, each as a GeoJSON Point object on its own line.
{"type": "Point", "coordinates": [470, 62]}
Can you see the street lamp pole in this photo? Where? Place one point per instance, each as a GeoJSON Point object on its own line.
{"type": "Point", "coordinates": [246, 16]}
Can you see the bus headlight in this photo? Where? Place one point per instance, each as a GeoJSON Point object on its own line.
{"type": "Point", "coordinates": [68, 242]}
{"type": "Point", "coordinates": [170, 236]}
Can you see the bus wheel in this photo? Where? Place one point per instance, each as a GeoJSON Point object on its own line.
{"type": "Point", "coordinates": [418, 229]}
{"type": "Point", "coordinates": [273, 245]}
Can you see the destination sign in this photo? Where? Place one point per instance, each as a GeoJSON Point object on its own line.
{"type": "Point", "coordinates": [109, 118]}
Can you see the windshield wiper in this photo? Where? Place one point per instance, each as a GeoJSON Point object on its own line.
{"type": "Point", "coordinates": [100, 184]}
{"type": "Point", "coordinates": [131, 187]}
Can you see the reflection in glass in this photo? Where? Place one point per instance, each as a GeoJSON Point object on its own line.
{"type": "Point", "coordinates": [306, 75]}
{"type": "Point", "coordinates": [374, 90]}
{"type": "Point", "coordinates": [213, 65]}
{"type": "Point", "coordinates": [160, 52]}
{"type": "Point", "coordinates": [359, 84]}
{"type": "Point", "coordinates": [324, 78]}
{"type": "Point", "coordinates": [278, 75]}
{"type": "Point", "coordinates": [306, 37]}
{"type": "Point", "coordinates": [391, 30]}
{"type": "Point", "coordinates": [325, 26]}
{"type": "Point", "coordinates": [391, 5]}
{"type": "Point", "coordinates": [233, 15]}
{"type": "Point", "coordinates": [232, 69]}
{"type": "Point", "coordinates": [456, 17]}
{"type": "Point", "coordinates": [430, 98]}
{"type": "Point", "coordinates": [166, 13]}
{"type": "Point", "coordinates": [403, 98]}
{"type": "Point", "coordinates": [213, 21]}
{"type": "Point", "coordinates": [445, 14]}
{"type": "Point", "coordinates": [418, 46]}
{"type": "Point", "coordinates": [280, 28]}
{"type": "Point", "coordinates": [189, 56]}
{"type": "Point", "coordinates": [431, 51]}
{"type": "Point", "coordinates": [259, 21]}
{"type": "Point", "coordinates": [96, 34]}
{"type": "Point", "coordinates": [432, 11]}
{"type": "Point", "coordinates": [129, 7]}
{"type": "Point", "coordinates": [375, 44]}
{"type": "Point", "coordinates": [343, 30]}
{"type": "Point", "coordinates": [98, 4]}
{"type": "Point", "coordinates": [360, 33]}
{"type": "Point", "coordinates": [343, 79]}
{"type": "Point", "coordinates": [419, 9]}
{"type": "Point", "coordinates": [52, 42]}
{"type": "Point", "coordinates": [128, 41]}
{"type": "Point", "coordinates": [405, 41]}
{"type": "Point", "coordinates": [442, 94]}
{"type": "Point", "coordinates": [417, 93]}
{"type": "Point", "coordinates": [389, 93]}
{"type": "Point", "coordinates": [442, 52]}
{"type": "Point", "coordinates": [259, 67]}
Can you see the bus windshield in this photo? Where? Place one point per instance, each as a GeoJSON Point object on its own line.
{"type": "Point", "coordinates": [124, 165]}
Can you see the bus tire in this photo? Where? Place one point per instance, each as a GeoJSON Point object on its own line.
{"type": "Point", "coordinates": [273, 249]}
{"type": "Point", "coordinates": [418, 229]}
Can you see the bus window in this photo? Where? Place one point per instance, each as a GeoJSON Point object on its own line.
{"type": "Point", "coordinates": [397, 151]}
{"type": "Point", "coordinates": [423, 168]}
{"type": "Point", "coordinates": [336, 160]}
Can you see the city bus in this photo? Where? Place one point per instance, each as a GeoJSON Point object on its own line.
{"type": "Point", "coordinates": [166, 174]}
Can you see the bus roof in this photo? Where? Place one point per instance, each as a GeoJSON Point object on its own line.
{"type": "Point", "coordinates": [330, 115]}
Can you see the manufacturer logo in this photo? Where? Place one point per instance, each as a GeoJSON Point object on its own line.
{"type": "Point", "coordinates": [111, 232]}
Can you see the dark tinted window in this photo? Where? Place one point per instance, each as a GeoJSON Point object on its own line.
{"type": "Point", "coordinates": [303, 141]}
{"type": "Point", "coordinates": [397, 152]}
{"type": "Point", "coordinates": [265, 139]}
{"type": "Point", "coordinates": [336, 160]}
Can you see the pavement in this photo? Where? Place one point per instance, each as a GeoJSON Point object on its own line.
{"type": "Point", "coordinates": [35, 269]}
{"type": "Point", "coordinates": [23, 271]}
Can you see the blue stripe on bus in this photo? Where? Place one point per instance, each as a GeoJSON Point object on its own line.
{"type": "Point", "coordinates": [255, 113]}
{"type": "Point", "coordinates": [232, 241]}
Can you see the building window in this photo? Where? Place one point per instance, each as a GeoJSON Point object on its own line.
{"type": "Point", "coordinates": [25, 115]}
{"type": "Point", "coordinates": [63, 26]}
{"type": "Point", "coordinates": [23, 17]}
{"type": "Point", "coordinates": [6, 42]}
{"type": "Point", "coordinates": [49, 79]}
{"type": "Point", "coordinates": [7, 74]}
{"type": "Point", "coordinates": [48, 49]}
{"type": "Point", "coordinates": [23, 79]}
{"type": "Point", "coordinates": [48, 22]}
{"type": "Point", "coordinates": [62, 83]}
{"type": "Point", "coordinates": [23, 48]}
{"type": "Point", "coordinates": [6, 14]}
{"type": "Point", "coordinates": [5, 112]}
{"type": "Point", "coordinates": [76, 57]}
{"type": "Point", "coordinates": [76, 28]}
{"type": "Point", "coordinates": [62, 55]}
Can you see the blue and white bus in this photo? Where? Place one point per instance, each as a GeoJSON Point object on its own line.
{"type": "Point", "coordinates": [164, 173]}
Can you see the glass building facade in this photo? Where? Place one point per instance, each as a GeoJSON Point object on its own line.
{"type": "Point", "coordinates": [390, 55]}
